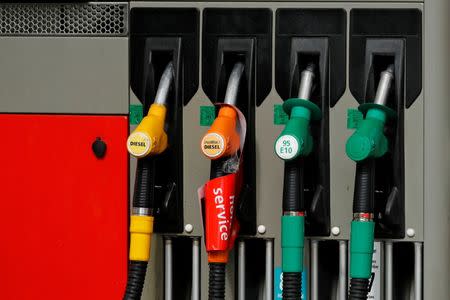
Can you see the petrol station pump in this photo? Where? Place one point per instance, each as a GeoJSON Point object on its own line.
{"type": "Point", "coordinates": [332, 114]}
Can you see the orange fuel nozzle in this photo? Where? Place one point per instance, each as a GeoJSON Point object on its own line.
{"type": "Point", "coordinates": [222, 138]}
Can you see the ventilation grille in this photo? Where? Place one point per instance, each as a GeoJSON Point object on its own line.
{"type": "Point", "coordinates": [64, 19]}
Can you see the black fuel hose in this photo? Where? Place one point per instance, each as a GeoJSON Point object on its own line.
{"type": "Point", "coordinates": [363, 198]}
{"type": "Point", "coordinates": [292, 285]}
{"type": "Point", "coordinates": [217, 168]}
{"type": "Point", "coordinates": [216, 289]}
{"type": "Point", "coordinates": [293, 200]}
{"type": "Point", "coordinates": [363, 202]}
{"type": "Point", "coordinates": [136, 278]}
{"type": "Point", "coordinates": [143, 198]}
{"type": "Point", "coordinates": [359, 288]}
{"type": "Point", "coordinates": [145, 183]}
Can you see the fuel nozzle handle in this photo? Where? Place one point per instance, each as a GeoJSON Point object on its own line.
{"type": "Point", "coordinates": [149, 137]}
{"type": "Point", "coordinates": [369, 141]}
{"type": "Point", "coordinates": [296, 140]}
{"type": "Point", "coordinates": [222, 139]}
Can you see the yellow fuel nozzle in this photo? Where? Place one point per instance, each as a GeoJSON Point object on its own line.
{"type": "Point", "coordinates": [149, 137]}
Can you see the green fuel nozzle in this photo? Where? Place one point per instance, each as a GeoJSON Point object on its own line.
{"type": "Point", "coordinates": [296, 140]}
{"type": "Point", "coordinates": [369, 141]}
{"type": "Point", "coordinates": [366, 144]}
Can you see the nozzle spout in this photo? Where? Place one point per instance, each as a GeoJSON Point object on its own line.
{"type": "Point", "coordinates": [165, 84]}
{"type": "Point", "coordinates": [306, 82]}
{"type": "Point", "coordinates": [384, 86]}
{"type": "Point", "coordinates": [233, 84]}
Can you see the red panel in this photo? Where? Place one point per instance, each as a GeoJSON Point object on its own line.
{"type": "Point", "coordinates": [63, 212]}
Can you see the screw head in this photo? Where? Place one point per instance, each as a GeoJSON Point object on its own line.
{"type": "Point", "coordinates": [261, 229]}
{"type": "Point", "coordinates": [335, 231]}
{"type": "Point", "coordinates": [188, 228]}
{"type": "Point", "coordinates": [410, 232]}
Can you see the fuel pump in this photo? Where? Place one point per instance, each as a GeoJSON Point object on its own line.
{"type": "Point", "coordinates": [222, 144]}
{"type": "Point", "coordinates": [294, 143]}
{"type": "Point", "coordinates": [365, 146]}
{"type": "Point", "coordinates": [147, 141]}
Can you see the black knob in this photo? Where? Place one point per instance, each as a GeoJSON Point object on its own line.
{"type": "Point", "coordinates": [99, 148]}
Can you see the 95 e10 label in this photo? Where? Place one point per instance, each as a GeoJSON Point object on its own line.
{"type": "Point", "coordinates": [286, 147]}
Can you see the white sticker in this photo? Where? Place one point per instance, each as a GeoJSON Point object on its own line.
{"type": "Point", "coordinates": [139, 144]}
{"type": "Point", "coordinates": [375, 292]}
{"type": "Point", "coordinates": [213, 145]}
{"type": "Point", "coordinates": [286, 147]}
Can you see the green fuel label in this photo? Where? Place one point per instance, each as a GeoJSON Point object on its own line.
{"type": "Point", "coordinates": [136, 114]}
{"type": "Point", "coordinates": [279, 116]}
{"type": "Point", "coordinates": [354, 116]}
{"type": "Point", "coordinates": [207, 115]}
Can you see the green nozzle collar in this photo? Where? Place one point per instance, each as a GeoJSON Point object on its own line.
{"type": "Point", "coordinates": [292, 243]}
{"type": "Point", "coordinates": [361, 249]}
{"type": "Point", "coordinates": [289, 104]}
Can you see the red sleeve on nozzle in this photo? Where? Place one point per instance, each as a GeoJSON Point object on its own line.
{"type": "Point", "coordinates": [219, 208]}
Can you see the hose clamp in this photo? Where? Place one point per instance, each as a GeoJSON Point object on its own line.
{"type": "Point", "coordinates": [142, 211]}
{"type": "Point", "coordinates": [294, 213]}
{"type": "Point", "coordinates": [363, 217]}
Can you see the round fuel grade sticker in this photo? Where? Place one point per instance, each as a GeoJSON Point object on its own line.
{"type": "Point", "coordinates": [213, 145]}
{"type": "Point", "coordinates": [138, 144]}
{"type": "Point", "coordinates": [286, 147]}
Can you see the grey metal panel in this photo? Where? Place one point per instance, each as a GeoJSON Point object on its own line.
{"type": "Point", "coordinates": [436, 265]}
{"type": "Point", "coordinates": [414, 141]}
{"type": "Point", "coordinates": [64, 75]}
{"type": "Point", "coordinates": [324, 4]}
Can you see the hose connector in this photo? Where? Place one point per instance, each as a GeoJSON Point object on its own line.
{"type": "Point", "coordinates": [141, 230]}
{"type": "Point", "coordinates": [361, 248]}
{"type": "Point", "coordinates": [292, 242]}
{"type": "Point", "coordinates": [369, 140]}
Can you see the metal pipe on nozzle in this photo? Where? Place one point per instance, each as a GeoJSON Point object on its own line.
{"type": "Point", "coordinates": [306, 82]}
{"type": "Point", "coordinates": [164, 84]}
{"type": "Point", "coordinates": [233, 84]}
{"type": "Point", "coordinates": [384, 86]}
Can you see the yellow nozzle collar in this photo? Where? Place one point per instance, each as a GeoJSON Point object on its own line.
{"type": "Point", "coordinates": [141, 229]}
